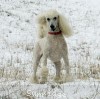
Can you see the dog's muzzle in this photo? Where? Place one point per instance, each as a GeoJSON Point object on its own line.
{"type": "Point", "coordinates": [52, 27]}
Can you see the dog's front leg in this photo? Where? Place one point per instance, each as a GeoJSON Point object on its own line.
{"type": "Point", "coordinates": [34, 78]}
{"type": "Point", "coordinates": [44, 70]}
{"type": "Point", "coordinates": [36, 59]}
{"type": "Point", "coordinates": [58, 71]}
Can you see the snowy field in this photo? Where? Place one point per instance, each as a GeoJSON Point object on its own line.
{"type": "Point", "coordinates": [18, 33]}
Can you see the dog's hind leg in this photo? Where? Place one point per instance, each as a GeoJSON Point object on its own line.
{"type": "Point", "coordinates": [68, 76]}
{"type": "Point", "coordinates": [66, 60]}
{"type": "Point", "coordinates": [36, 59]}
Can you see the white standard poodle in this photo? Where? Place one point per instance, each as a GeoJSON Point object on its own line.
{"type": "Point", "coordinates": [52, 27]}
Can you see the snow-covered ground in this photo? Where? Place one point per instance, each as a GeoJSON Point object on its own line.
{"type": "Point", "coordinates": [18, 35]}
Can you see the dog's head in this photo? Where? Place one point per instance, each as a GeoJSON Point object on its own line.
{"type": "Point", "coordinates": [53, 21]}
{"type": "Point", "coordinates": [49, 19]}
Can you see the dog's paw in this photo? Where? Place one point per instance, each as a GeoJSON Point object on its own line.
{"type": "Point", "coordinates": [34, 80]}
{"type": "Point", "coordinates": [69, 78]}
{"type": "Point", "coordinates": [43, 75]}
{"type": "Point", "coordinates": [43, 80]}
{"type": "Point", "coordinates": [44, 71]}
{"type": "Point", "coordinates": [58, 80]}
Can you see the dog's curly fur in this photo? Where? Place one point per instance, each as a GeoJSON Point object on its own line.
{"type": "Point", "coordinates": [63, 22]}
{"type": "Point", "coordinates": [50, 46]}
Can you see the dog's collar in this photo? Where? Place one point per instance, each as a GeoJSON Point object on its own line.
{"type": "Point", "coordinates": [55, 33]}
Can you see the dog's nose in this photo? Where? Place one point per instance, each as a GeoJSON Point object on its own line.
{"type": "Point", "coordinates": [52, 26]}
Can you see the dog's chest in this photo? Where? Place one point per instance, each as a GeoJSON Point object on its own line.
{"type": "Point", "coordinates": [56, 46]}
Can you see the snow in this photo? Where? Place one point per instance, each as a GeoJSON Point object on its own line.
{"type": "Point", "coordinates": [18, 33]}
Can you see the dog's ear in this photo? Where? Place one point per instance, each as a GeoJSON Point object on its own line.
{"type": "Point", "coordinates": [64, 26]}
{"type": "Point", "coordinates": [41, 20]}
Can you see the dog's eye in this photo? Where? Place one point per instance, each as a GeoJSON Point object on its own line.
{"type": "Point", "coordinates": [48, 19]}
{"type": "Point", "coordinates": [55, 18]}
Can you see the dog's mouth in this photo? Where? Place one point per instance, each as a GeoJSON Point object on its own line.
{"type": "Point", "coordinates": [53, 29]}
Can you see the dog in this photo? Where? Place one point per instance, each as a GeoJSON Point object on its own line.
{"type": "Point", "coordinates": [52, 27]}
